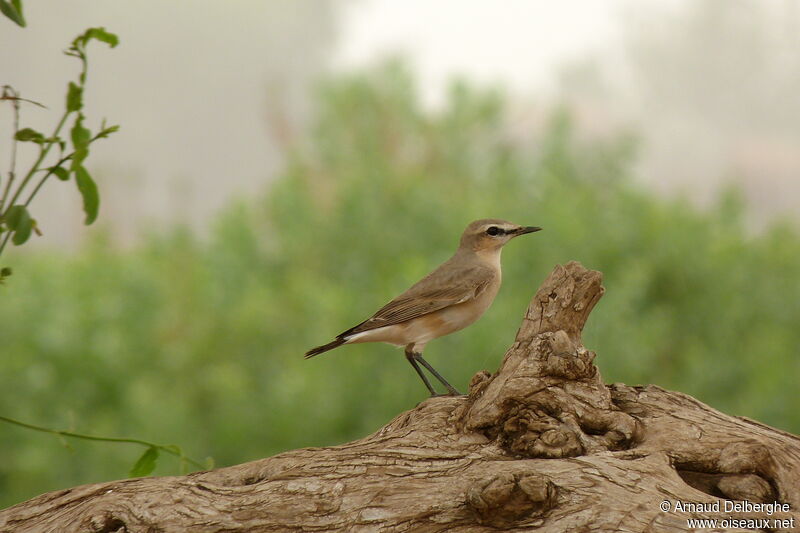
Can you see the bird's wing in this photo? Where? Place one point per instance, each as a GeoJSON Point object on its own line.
{"type": "Point", "coordinates": [430, 294]}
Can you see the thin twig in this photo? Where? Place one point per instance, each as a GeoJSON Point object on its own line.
{"type": "Point", "coordinates": [44, 178]}
{"type": "Point", "coordinates": [20, 99]}
{"type": "Point", "coordinates": [5, 241]}
{"type": "Point", "coordinates": [50, 171]}
{"type": "Point", "coordinates": [102, 439]}
{"type": "Point", "coordinates": [43, 151]}
{"type": "Point", "coordinates": [10, 93]}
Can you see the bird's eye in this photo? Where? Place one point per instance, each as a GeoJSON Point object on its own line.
{"type": "Point", "coordinates": [494, 230]}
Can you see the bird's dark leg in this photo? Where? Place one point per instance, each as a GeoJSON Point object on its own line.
{"type": "Point", "coordinates": [418, 357]}
{"type": "Point", "coordinates": [410, 355]}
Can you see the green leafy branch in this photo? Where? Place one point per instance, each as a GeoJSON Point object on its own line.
{"type": "Point", "coordinates": [16, 222]}
{"type": "Point", "coordinates": [146, 462]}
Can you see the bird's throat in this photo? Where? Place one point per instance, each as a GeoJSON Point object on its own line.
{"type": "Point", "coordinates": [490, 257]}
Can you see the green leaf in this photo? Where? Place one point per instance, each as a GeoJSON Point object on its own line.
{"type": "Point", "coordinates": [146, 463]}
{"type": "Point", "coordinates": [13, 10]}
{"type": "Point", "coordinates": [80, 141]}
{"type": "Point", "coordinates": [23, 232]}
{"type": "Point", "coordinates": [105, 132]}
{"type": "Point", "coordinates": [74, 97]}
{"type": "Point", "coordinates": [29, 135]}
{"type": "Point", "coordinates": [60, 172]}
{"type": "Point", "coordinates": [78, 157]}
{"type": "Point", "coordinates": [95, 33]}
{"type": "Point", "coordinates": [88, 190]}
{"type": "Point", "coordinates": [14, 215]}
{"type": "Point", "coordinates": [80, 135]}
{"type": "Point", "coordinates": [19, 221]}
{"type": "Point", "coordinates": [102, 35]}
{"type": "Point", "coordinates": [174, 448]}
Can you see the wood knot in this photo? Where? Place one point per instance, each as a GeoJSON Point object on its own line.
{"type": "Point", "coordinates": [558, 356]}
{"type": "Point", "coordinates": [549, 426]}
{"type": "Point", "coordinates": [533, 433]}
{"type": "Point", "coordinates": [479, 382]}
{"type": "Point", "coordinates": [571, 366]}
{"type": "Point", "coordinates": [752, 468]}
{"type": "Point", "coordinates": [611, 430]}
{"type": "Point", "coordinates": [104, 523]}
{"type": "Point", "coordinates": [748, 487]}
{"type": "Point", "coordinates": [743, 470]}
{"type": "Point", "coordinates": [505, 499]}
{"type": "Point", "coordinates": [745, 457]}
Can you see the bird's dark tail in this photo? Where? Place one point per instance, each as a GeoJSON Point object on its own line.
{"type": "Point", "coordinates": [325, 347]}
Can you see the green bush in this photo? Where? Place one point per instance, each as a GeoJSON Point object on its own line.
{"type": "Point", "coordinates": [199, 341]}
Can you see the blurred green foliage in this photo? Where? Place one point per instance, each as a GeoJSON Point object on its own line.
{"type": "Point", "coordinates": [199, 341]}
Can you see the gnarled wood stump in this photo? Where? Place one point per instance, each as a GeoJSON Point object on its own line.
{"type": "Point", "coordinates": [541, 444]}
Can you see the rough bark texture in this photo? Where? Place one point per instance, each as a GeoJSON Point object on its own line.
{"type": "Point", "coordinates": [542, 444]}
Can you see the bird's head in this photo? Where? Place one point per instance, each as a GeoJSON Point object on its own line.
{"type": "Point", "coordinates": [491, 234]}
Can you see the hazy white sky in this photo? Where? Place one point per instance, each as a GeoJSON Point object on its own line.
{"type": "Point", "coordinates": [192, 83]}
{"type": "Point", "coordinates": [518, 43]}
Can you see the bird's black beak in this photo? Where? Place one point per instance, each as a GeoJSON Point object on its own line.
{"type": "Point", "coordinates": [526, 229]}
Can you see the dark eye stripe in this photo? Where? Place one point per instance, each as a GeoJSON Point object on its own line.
{"type": "Point", "coordinates": [494, 230]}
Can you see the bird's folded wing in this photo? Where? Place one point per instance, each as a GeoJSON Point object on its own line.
{"type": "Point", "coordinates": [425, 298]}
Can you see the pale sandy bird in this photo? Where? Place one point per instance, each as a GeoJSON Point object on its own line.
{"type": "Point", "coordinates": [448, 299]}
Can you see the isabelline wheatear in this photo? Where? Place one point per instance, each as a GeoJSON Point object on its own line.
{"type": "Point", "coordinates": [448, 299]}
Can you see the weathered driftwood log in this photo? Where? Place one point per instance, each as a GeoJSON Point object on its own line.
{"type": "Point", "coordinates": [541, 444]}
